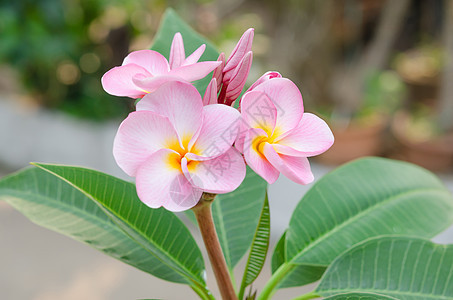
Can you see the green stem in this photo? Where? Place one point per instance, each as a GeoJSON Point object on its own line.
{"type": "Point", "coordinates": [275, 279]}
{"type": "Point", "coordinates": [307, 296]}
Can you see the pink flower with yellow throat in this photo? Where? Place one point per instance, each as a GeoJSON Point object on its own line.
{"type": "Point", "coordinates": [277, 136]}
{"type": "Point", "coordinates": [144, 71]}
{"type": "Point", "coordinates": [177, 148]}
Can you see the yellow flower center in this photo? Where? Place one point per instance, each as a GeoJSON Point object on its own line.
{"type": "Point", "coordinates": [259, 142]}
{"type": "Point", "coordinates": [174, 159]}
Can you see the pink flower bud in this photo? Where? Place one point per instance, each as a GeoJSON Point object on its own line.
{"type": "Point", "coordinates": [238, 78]}
{"type": "Point", "coordinates": [267, 76]}
{"type": "Point", "coordinates": [242, 48]}
{"type": "Point", "coordinates": [218, 72]}
{"type": "Point", "coordinates": [210, 96]}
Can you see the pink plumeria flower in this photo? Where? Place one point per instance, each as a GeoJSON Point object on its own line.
{"type": "Point", "coordinates": [232, 74]}
{"type": "Point", "coordinates": [177, 149]}
{"type": "Point", "coordinates": [278, 136]}
{"type": "Point", "coordinates": [144, 71]}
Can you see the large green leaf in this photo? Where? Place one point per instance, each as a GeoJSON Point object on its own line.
{"type": "Point", "coordinates": [298, 275]}
{"type": "Point", "coordinates": [52, 203]}
{"type": "Point", "coordinates": [258, 250]}
{"type": "Point", "coordinates": [171, 23]}
{"type": "Point", "coordinates": [401, 267]}
{"type": "Point", "coordinates": [158, 231]}
{"type": "Point", "coordinates": [362, 199]}
{"type": "Point", "coordinates": [359, 296]}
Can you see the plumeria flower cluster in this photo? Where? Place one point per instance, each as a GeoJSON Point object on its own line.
{"type": "Point", "coordinates": [178, 145]}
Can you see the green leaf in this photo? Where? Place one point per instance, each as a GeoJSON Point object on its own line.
{"type": "Point", "coordinates": [236, 216]}
{"type": "Point", "coordinates": [400, 267]}
{"type": "Point", "coordinates": [158, 231]}
{"type": "Point", "coordinates": [52, 203]}
{"type": "Point", "coordinates": [298, 275]}
{"type": "Point", "coordinates": [362, 199]}
{"type": "Point", "coordinates": [171, 23]}
{"type": "Point", "coordinates": [359, 296]}
{"type": "Point", "coordinates": [259, 248]}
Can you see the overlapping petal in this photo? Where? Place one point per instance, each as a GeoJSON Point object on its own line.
{"type": "Point", "coordinates": [194, 71]}
{"type": "Point", "coordinates": [140, 135]}
{"type": "Point", "coordinates": [295, 168]}
{"type": "Point", "coordinates": [258, 111]}
{"type": "Point", "coordinates": [160, 184]}
{"type": "Point", "coordinates": [152, 61]}
{"type": "Point", "coordinates": [181, 103]}
{"type": "Point", "coordinates": [287, 99]}
{"type": "Point", "coordinates": [216, 135]}
{"type": "Point", "coordinates": [119, 81]}
{"type": "Point", "coordinates": [311, 137]}
{"type": "Point", "coordinates": [255, 159]}
{"type": "Point", "coordinates": [222, 174]}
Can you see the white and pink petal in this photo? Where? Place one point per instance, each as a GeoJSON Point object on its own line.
{"type": "Point", "coordinates": [256, 160]}
{"type": "Point", "coordinates": [140, 135]}
{"type": "Point", "coordinates": [217, 133]}
{"type": "Point", "coordinates": [181, 103]}
{"type": "Point", "coordinates": [222, 174]}
{"type": "Point", "coordinates": [311, 137]}
{"type": "Point", "coordinates": [258, 111]}
{"type": "Point", "coordinates": [287, 99]}
{"type": "Point", "coordinates": [152, 61]}
{"type": "Point", "coordinates": [118, 81]}
{"type": "Point", "coordinates": [160, 184]}
{"type": "Point", "coordinates": [295, 168]}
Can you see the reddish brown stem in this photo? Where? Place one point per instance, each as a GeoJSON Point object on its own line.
{"type": "Point", "coordinates": [204, 218]}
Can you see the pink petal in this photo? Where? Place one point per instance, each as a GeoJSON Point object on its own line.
{"type": "Point", "coordinates": [154, 62]}
{"type": "Point", "coordinates": [287, 99]}
{"type": "Point", "coordinates": [218, 72]}
{"type": "Point", "coordinates": [195, 56]}
{"type": "Point", "coordinates": [256, 160]}
{"type": "Point", "coordinates": [243, 46]}
{"type": "Point", "coordinates": [222, 174]}
{"type": "Point", "coordinates": [210, 96]}
{"type": "Point", "coordinates": [295, 168]}
{"type": "Point", "coordinates": [141, 134]}
{"type": "Point", "coordinates": [118, 81]}
{"type": "Point", "coordinates": [177, 53]}
{"type": "Point", "coordinates": [238, 79]}
{"type": "Point", "coordinates": [159, 184]}
{"type": "Point", "coordinates": [311, 137]}
{"type": "Point", "coordinates": [195, 71]}
{"type": "Point", "coordinates": [267, 76]}
{"type": "Point", "coordinates": [217, 133]}
{"type": "Point", "coordinates": [258, 111]}
{"type": "Point", "coordinates": [181, 103]}
{"type": "Point", "coordinates": [150, 84]}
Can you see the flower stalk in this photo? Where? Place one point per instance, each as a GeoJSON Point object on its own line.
{"type": "Point", "coordinates": [206, 224]}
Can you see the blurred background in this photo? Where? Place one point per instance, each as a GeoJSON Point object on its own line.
{"type": "Point", "coordinates": [379, 72]}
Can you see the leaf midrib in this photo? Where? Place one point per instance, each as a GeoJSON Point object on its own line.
{"type": "Point", "coordinates": [358, 216]}
{"type": "Point", "coordinates": [192, 276]}
{"type": "Point", "coordinates": [391, 293]}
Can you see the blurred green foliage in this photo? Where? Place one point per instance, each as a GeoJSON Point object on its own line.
{"type": "Point", "coordinates": [62, 48]}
